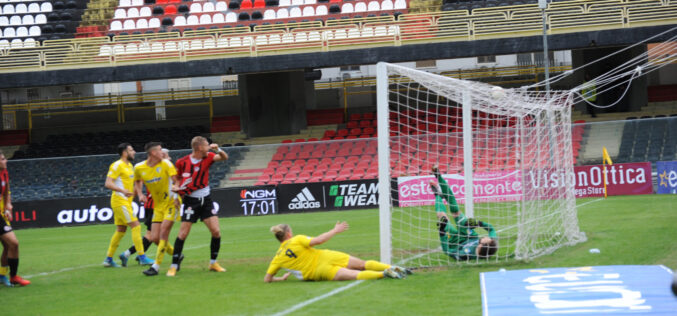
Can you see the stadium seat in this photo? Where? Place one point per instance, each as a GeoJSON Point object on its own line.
{"type": "Point", "coordinates": [321, 10]}
{"type": "Point", "coordinates": [245, 4]}
{"type": "Point", "coordinates": [208, 7]}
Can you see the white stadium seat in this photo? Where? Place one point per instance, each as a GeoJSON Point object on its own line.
{"type": "Point", "coordinates": [296, 2]}
{"type": "Point", "coordinates": [308, 11]}
{"type": "Point", "coordinates": [205, 19]}
{"type": "Point", "coordinates": [353, 33]}
{"type": "Point", "coordinates": [118, 49]}
{"type": "Point", "coordinates": [170, 47]}
{"type": "Point", "coordinates": [360, 7]}
{"type": "Point", "coordinates": [235, 42]}
{"type": "Point", "coordinates": [1, 33]}
{"type": "Point", "coordinates": [282, 13]}
{"type": "Point", "coordinates": [144, 47]}
{"type": "Point", "coordinates": [132, 48]}
{"type": "Point", "coordinates": [208, 7]}
{"type": "Point", "coordinates": [196, 44]}
{"type": "Point", "coordinates": [393, 30]}
{"type": "Point", "coordinates": [15, 20]}
{"type": "Point", "coordinates": [221, 6]}
{"type": "Point", "coordinates": [262, 40]}
{"type": "Point", "coordinates": [145, 12]}
{"type": "Point", "coordinates": [321, 10]}
{"type": "Point", "coordinates": [195, 7]}
{"type": "Point", "coordinates": [21, 8]}
{"type": "Point", "coordinates": [314, 36]}
{"type": "Point", "coordinates": [218, 18]}
{"type": "Point", "coordinates": [8, 9]}
{"type": "Point", "coordinates": [4, 21]}
{"type": "Point", "coordinates": [340, 34]}
{"type": "Point", "coordinates": [29, 42]}
{"type": "Point", "coordinates": [374, 6]}
{"type": "Point", "coordinates": [28, 20]}
{"type": "Point", "coordinates": [274, 39]}
{"type": "Point", "coordinates": [309, 1]}
{"type": "Point", "coordinates": [137, 3]}
{"type": "Point", "coordinates": [380, 31]}
{"type": "Point", "coordinates": [40, 19]}
{"type": "Point", "coordinates": [287, 38]}
{"type": "Point", "coordinates": [156, 47]}
{"type": "Point", "coordinates": [347, 8]}
{"type": "Point", "coordinates": [34, 7]}
{"type": "Point", "coordinates": [141, 24]}
{"type": "Point", "coordinates": [301, 37]}
{"type": "Point", "coordinates": [115, 26]}
{"type": "Point", "coordinates": [120, 14]}
{"type": "Point", "coordinates": [154, 23]}
{"type": "Point", "coordinates": [34, 31]}
{"type": "Point", "coordinates": [269, 14]}
{"type": "Point", "coordinates": [231, 17]}
{"type": "Point", "coordinates": [400, 4]}
{"type": "Point", "coordinates": [367, 32]}
{"type": "Point", "coordinates": [17, 43]}
{"type": "Point", "coordinates": [4, 44]}
{"type": "Point", "coordinates": [209, 43]}
{"type": "Point", "coordinates": [179, 20]}
{"type": "Point", "coordinates": [222, 42]}
{"type": "Point", "coordinates": [191, 20]}
{"type": "Point", "coordinates": [133, 13]}
{"type": "Point", "coordinates": [386, 5]}
{"type": "Point", "coordinates": [295, 12]}
{"type": "Point", "coordinates": [129, 25]}
{"type": "Point", "coordinates": [285, 3]}
{"type": "Point", "coordinates": [22, 31]}
{"type": "Point", "coordinates": [46, 7]}
{"type": "Point", "coordinates": [125, 3]}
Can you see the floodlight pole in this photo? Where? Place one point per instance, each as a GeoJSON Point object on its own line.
{"type": "Point", "coordinates": [543, 4]}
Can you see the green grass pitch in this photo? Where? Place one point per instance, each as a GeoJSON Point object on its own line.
{"type": "Point", "coordinates": [64, 266]}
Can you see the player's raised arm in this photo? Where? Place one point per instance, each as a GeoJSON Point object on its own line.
{"type": "Point", "coordinates": [338, 228]}
{"type": "Point", "coordinates": [271, 278]}
{"type": "Point", "coordinates": [220, 154]}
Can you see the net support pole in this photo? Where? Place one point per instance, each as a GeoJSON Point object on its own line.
{"type": "Point", "coordinates": [467, 153]}
{"type": "Point", "coordinates": [383, 162]}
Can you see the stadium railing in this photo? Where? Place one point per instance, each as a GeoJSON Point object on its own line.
{"type": "Point", "coordinates": [462, 25]}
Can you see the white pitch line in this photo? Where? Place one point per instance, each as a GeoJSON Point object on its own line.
{"type": "Point", "coordinates": [317, 298]}
{"type": "Point", "coordinates": [84, 266]}
{"type": "Point", "coordinates": [590, 202]}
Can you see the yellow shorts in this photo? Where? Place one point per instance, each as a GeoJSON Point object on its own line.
{"type": "Point", "coordinates": [166, 212]}
{"type": "Point", "coordinates": [329, 263]}
{"type": "Point", "coordinates": [123, 214]}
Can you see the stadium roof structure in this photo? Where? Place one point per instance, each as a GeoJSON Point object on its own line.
{"type": "Point", "coordinates": [411, 37]}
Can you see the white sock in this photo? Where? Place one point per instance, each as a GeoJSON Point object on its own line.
{"type": "Point", "coordinates": [156, 267]}
{"type": "Point", "coordinates": [212, 261]}
{"type": "Point", "coordinates": [127, 253]}
{"type": "Point", "coordinates": [175, 266]}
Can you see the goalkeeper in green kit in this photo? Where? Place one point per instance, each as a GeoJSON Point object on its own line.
{"type": "Point", "coordinates": [460, 242]}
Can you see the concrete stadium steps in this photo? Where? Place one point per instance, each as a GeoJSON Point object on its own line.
{"type": "Point", "coordinates": [310, 132]}
{"type": "Point", "coordinates": [9, 150]}
{"type": "Point", "coordinates": [600, 135]}
{"type": "Point", "coordinates": [652, 109]}
{"type": "Point", "coordinates": [251, 166]}
{"type": "Point", "coordinates": [228, 137]}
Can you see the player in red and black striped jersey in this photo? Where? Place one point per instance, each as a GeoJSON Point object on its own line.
{"type": "Point", "coordinates": [10, 244]}
{"type": "Point", "coordinates": [193, 173]}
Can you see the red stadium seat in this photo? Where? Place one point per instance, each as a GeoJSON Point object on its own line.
{"type": "Point", "coordinates": [304, 155]}
{"type": "Point", "coordinates": [339, 137]}
{"type": "Point", "coordinates": [287, 141]}
{"type": "Point", "coordinates": [356, 116]}
{"type": "Point", "coordinates": [170, 9]}
{"type": "Point", "coordinates": [246, 4]}
{"type": "Point", "coordinates": [286, 163]}
{"type": "Point", "coordinates": [300, 140]}
{"type": "Point", "coordinates": [329, 133]}
{"type": "Point", "coordinates": [369, 116]}
{"type": "Point", "coordinates": [365, 123]}
{"type": "Point", "coordinates": [342, 133]}
{"type": "Point", "coordinates": [303, 177]}
{"type": "Point", "coordinates": [258, 4]}
{"type": "Point", "coordinates": [355, 131]}
{"type": "Point", "coordinates": [290, 156]}
{"type": "Point", "coordinates": [278, 157]}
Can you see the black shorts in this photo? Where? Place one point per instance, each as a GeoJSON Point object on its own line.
{"type": "Point", "coordinates": [194, 208]}
{"type": "Point", "coordinates": [6, 228]}
{"type": "Point", "coordinates": [148, 220]}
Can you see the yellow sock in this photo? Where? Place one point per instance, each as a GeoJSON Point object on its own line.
{"type": "Point", "coordinates": [136, 239]}
{"type": "Point", "coordinates": [114, 242]}
{"type": "Point", "coordinates": [370, 275]}
{"type": "Point", "coordinates": [169, 249]}
{"type": "Point", "coordinates": [160, 252]}
{"type": "Point", "coordinates": [4, 270]}
{"type": "Point", "coordinates": [375, 265]}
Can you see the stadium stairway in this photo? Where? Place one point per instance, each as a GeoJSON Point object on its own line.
{"type": "Point", "coordinates": [601, 135]}
{"type": "Point", "coordinates": [251, 167]}
{"type": "Point", "coordinates": [96, 17]}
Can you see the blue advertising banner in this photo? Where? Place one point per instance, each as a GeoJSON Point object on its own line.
{"type": "Point", "coordinates": [667, 177]}
{"type": "Point", "coordinates": [601, 290]}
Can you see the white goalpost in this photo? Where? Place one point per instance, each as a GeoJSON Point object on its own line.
{"type": "Point", "coordinates": [506, 155]}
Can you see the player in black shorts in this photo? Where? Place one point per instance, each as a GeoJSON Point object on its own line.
{"type": "Point", "coordinates": [10, 244]}
{"type": "Point", "coordinates": [193, 172]}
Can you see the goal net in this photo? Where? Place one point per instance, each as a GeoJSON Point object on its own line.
{"type": "Point", "coordinates": [511, 146]}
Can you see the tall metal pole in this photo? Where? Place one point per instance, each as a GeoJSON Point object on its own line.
{"type": "Point", "coordinates": [543, 4]}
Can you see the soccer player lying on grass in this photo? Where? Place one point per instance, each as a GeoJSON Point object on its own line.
{"type": "Point", "coordinates": [460, 242]}
{"type": "Point", "coordinates": [297, 255]}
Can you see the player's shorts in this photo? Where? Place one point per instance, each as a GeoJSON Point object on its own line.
{"type": "Point", "coordinates": [123, 214]}
{"type": "Point", "coordinates": [148, 221]}
{"type": "Point", "coordinates": [194, 208]}
{"type": "Point", "coordinates": [166, 212]}
{"type": "Point", "coordinates": [329, 263]}
{"type": "Point", "coordinates": [6, 227]}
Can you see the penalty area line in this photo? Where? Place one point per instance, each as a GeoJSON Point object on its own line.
{"type": "Point", "coordinates": [317, 298]}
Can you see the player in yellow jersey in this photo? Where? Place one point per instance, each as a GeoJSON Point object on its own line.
{"type": "Point", "coordinates": [159, 177]}
{"type": "Point", "coordinates": [297, 255]}
{"type": "Point", "coordinates": [120, 180]}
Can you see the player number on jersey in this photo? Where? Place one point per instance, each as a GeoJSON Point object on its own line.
{"type": "Point", "coordinates": [290, 253]}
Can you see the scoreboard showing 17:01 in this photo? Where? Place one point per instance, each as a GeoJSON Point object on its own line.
{"type": "Point", "coordinates": [258, 201]}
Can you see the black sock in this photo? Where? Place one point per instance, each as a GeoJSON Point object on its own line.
{"type": "Point", "coordinates": [178, 247]}
{"type": "Point", "coordinates": [146, 244]}
{"type": "Point", "coordinates": [13, 266]}
{"type": "Point", "coordinates": [216, 245]}
{"type": "Point", "coordinates": [132, 250]}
